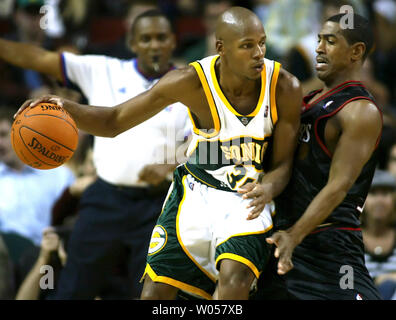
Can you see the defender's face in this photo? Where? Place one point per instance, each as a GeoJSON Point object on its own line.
{"type": "Point", "coordinates": [245, 53]}
{"type": "Point", "coordinates": [333, 52]}
{"type": "Point", "coordinates": [153, 43]}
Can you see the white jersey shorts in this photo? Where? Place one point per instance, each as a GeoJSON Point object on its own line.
{"type": "Point", "coordinates": [198, 227]}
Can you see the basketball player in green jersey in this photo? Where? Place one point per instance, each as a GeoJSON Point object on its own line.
{"type": "Point", "coordinates": [244, 103]}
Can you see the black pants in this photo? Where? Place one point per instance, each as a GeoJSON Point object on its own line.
{"type": "Point", "coordinates": [270, 285]}
{"type": "Point", "coordinates": [114, 223]}
{"type": "Point", "coordinates": [329, 265]}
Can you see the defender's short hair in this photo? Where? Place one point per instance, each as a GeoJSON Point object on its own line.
{"type": "Point", "coordinates": [360, 32]}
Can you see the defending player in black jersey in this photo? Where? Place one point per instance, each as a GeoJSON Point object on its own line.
{"type": "Point", "coordinates": [318, 213]}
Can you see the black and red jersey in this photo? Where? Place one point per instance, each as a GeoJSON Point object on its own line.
{"type": "Point", "coordinates": [313, 159]}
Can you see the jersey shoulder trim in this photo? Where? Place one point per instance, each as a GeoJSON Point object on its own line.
{"type": "Point", "coordinates": [212, 105]}
{"type": "Point", "coordinates": [274, 80]}
{"type": "Point", "coordinates": [322, 143]}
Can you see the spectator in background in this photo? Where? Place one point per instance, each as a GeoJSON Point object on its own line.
{"type": "Point", "coordinates": [206, 47]}
{"type": "Point", "coordinates": [381, 95]}
{"type": "Point", "coordinates": [51, 255]}
{"type": "Point", "coordinates": [378, 89]}
{"type": "Point", "coordinates": [108, 34]}
{"type": "Point", "coordinates": [27, 21]}
{"type": "Point", "coordinates": [379, 233]}
{"type": "Point", "coordinates": [287, 21]}
{"type": "Point", "coordinates": [75, 13]}
{"type": "Point", "coordinates": [26, 195]}
{"type": "Point", "coordinates": [391, 164]}
{"type": "Point", "coordinates": [41, 275]}
{"type": "Point", "coordinates": [6, 274]}
{"type": "Point", "coordinates": [31, 26]}
{"type": "Point", "coordinates": [188, 22]}
{"type": "Point", "coordinates": [384, 57]}
{"type": "Point", "coordinates": [15, 83]}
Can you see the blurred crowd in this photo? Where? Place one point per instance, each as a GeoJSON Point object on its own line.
{"type": "Point", "coordinates": [100, 27]}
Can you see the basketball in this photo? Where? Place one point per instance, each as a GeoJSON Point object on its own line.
{"type": "Point", "coordinates": [44, 136]}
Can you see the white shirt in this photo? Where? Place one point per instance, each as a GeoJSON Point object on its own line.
{"type": "Point", "coordinates": [109, 81]}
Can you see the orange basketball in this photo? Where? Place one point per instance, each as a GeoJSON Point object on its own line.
{"type": "Point", "coordinates": [45, 136]}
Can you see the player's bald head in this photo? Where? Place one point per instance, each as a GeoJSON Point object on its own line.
{"type": "Point", "coordinates": [235, 22]}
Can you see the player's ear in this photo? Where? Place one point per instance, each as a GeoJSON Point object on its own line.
{"type": "Point", "coordinates": [220, 47]}
{"type": "Point", "coordinates": [358, 50]}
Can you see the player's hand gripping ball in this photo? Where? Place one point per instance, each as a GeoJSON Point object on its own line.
{"type": "Point", "coordinates": [44, 136]}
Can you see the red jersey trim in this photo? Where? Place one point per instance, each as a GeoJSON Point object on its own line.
{"type": "Point", "coordinates": [334, 228]}
{"type": "Point", "coordinates": [321, 143]}
{"type": "Point", "coordinates": [339, 87]}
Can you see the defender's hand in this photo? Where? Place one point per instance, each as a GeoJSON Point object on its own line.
{"type": "Point", "coordinates": [285, 244]}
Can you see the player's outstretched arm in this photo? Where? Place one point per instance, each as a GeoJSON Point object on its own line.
{"type": "Point", "coordinates": [360, 123]}
{"type": "Point", "coordinates": [111, 121]}
{"type": "Point", "coordinates": [29, 56]}
{"type": "Point", "coordinates": [288, 101]}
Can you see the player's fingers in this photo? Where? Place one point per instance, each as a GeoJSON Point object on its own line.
{"type": "Point", "coordinates": [274, 239]}
{"type": "Point", "coordinates": [255, 192]}
{"type": "Point", "coordinates": [276, 253]}
{"type": "Point", "coordinates": [254, 203]}
{"type": "Point", "coordinates": [37, 101]}
{"type": "Point", "coordinates": [58, 101]}
{"type": "Point", "coordinates": [23, 107]}
{"type": "Point", "coordinates": [246, 188]}
{"type": "Point", "coordinates": [257, 209]}
{"type": "Point", "coordinates": [47, 98]}
{"type": "Point", "coordinates": [270, 240]}
{"type": "Point", "coordinates": [253, 215]}
{"type": "Point", "coordinates": [281, 270]}
{"type": "Point", "coordinates": [284, 265]}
